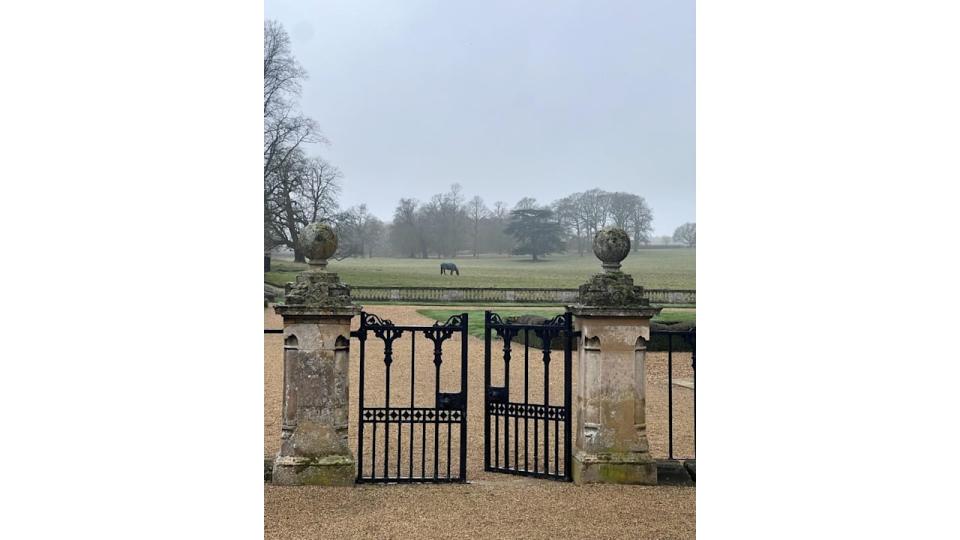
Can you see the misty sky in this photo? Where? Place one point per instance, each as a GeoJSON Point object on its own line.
{"type": "Point", "coordinates": [510, 99]}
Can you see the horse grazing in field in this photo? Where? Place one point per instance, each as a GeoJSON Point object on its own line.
{"type": "Point", "coordinates": [449, 267]}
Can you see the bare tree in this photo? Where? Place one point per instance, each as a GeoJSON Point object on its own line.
{"type": "Point", "coordinates": [444, 220]}
{"type": "Point", "coordinates": [631, 213]}
{"type": "Point", "coordinates": [404, 233]}
{"type": "Point", "coordinates": [687, 234]}
{"type": "Point", "coordinates": [296, 189]}
{"type": "Point", "coordinates": [620, 208]}
{"type": "Point", "coordinates": [284, 131]}
{"type": "Point", "coordinates": [594, 210]}
{"type": "Point", "coordinates": [318, 189]}
{"type": "Point", "coordinates": [477, 211]}
{"type": "Point", "coordinates": [353, 231]}
{"type": "Point", "coordinates": [282, 74]}
{"type": "Point", "coordinates": [641, 222]}
{"type": "Point", "coordinates": [282, 216]}
{"type": "Point", "coordinates": [569, 211]}
{"type": "Point", "coordinates": [373, 234]}
{"type": "Point", "coordinates": [500, 210]}
{"type": "Point", "coordinates": [499, 217]}
{"type": "Point", "coordinates": [525, 203]}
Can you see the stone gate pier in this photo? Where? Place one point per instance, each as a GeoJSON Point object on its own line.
{"type": "Point", "coordinates": [314, 447]}
{"type": "Point", "coordinates": [613, 319]}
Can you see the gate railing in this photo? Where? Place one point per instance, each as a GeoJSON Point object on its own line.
{"type": "Point", "coordinates": [689, 337]}
{"type": "Point", "coordinates": [500, 408]}
{"type": "Point", "coordinates": [449, 409]}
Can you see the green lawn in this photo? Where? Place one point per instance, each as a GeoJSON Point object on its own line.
{"type": "Point", "coordinates": [475, 318]}
{"type": "Point", "coordinates": [653, 268]}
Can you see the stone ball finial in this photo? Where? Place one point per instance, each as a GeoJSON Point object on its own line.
{"type": "Point", "coordinates": [318, 242]}
{"type": "Point", "coordinates": [611, 245]}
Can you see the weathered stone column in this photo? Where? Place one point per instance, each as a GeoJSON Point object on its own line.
{"type": "Point", "coordinates": [613, 319]}
{"type": "Point", "coordinates": [316, 336]}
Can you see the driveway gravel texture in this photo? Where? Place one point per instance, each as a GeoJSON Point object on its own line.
{"type": "Point", "coordinates": [491, 505]}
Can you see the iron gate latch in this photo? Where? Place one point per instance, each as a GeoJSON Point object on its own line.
{"type": "Point", "coordinates": [497, 394]}
{"type": "Point", "coordinates": [450, 401]}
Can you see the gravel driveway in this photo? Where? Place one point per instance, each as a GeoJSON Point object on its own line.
{"type": "Point", "coordinates": [492, 505]}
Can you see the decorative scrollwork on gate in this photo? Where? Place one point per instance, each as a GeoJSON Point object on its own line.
{"type": "Point", "coordinates": [385, 330]}
{"type": "Point", "coordinates": [438, 334]}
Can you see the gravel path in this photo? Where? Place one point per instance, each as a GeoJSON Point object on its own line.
{"type": "Point", "coordinates": [492, 504]}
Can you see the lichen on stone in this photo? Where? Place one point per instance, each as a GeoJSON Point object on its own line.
{"type": "Point", "coordinates": [321, 289]}
{"type": "Point", "coordinates": [613, 289]}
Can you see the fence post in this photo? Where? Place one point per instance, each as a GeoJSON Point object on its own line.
{"type": "Point", "coordinates": [613, 321]}
{"type": "Point", "coordinates": [314, 448]}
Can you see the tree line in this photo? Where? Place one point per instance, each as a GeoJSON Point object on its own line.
{"type": "Point", "coordinates": [450, 224]}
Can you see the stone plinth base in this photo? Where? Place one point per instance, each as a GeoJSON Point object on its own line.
{"type": "Point", "coordinates": [322, 471]}
{"type": "Point", "coordinates": [626, 468]}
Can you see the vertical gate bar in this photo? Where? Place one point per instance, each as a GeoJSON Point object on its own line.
{"type": "Point", "coordinates": [546, 400]}
{"type": "Point", "coordinates": [362, 336]}
{"type": "Point", "coordinates": [373, 452]}
{"type": "Point", "coordinates": [423, 448]}
{"type": "Point", "coordinates": [449, 444]}
{"type": "Point", "coordinates": [536, 443]}
{"type": "Point", "coordinates": [486, 390]}
{"type": "Point", "coordinates": [526, 399]}
{"type": "Point", "coordinates": [463, 389]}
{"type": "Point", "coordinates": [496, 440]}
{"type": "Point", "coordinates": [556, 445]}
{"type": "Point", "coordinates": [506, 418]}
{"type": "Point", "coordinates": [693, 365]}
{"type": "Point", "coordinates": [436, 419]}
{"type": "Point", "coordinates": [516, 443]}
{"type": "Point", "coordinates": [413, 371]}
{"type": "Point", "coordinates": [399, 444]}
{"type": "Point", "coordinates": [386, 424]}
{"type": "Point", "coordinates": [670, 394]}
{"type": "Point", "coordinates": [567, 394]}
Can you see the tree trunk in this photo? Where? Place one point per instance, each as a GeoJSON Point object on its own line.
{"type": "Point", "coordinates": [298, 256]}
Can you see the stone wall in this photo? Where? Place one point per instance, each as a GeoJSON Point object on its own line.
{"type": "Point", "coordinates": [501, 295]}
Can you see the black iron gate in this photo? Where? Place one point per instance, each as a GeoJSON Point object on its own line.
{"type": "Point", "coordinates": [401, 452]}
{"type": "Point", "coordinates": [531, 409]}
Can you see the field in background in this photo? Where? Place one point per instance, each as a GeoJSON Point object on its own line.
{"type": "Point", "coordinates": [653, 269]}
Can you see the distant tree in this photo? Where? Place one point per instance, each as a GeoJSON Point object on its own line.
{"type": "Point", "coordinates": [570, 217]}
{"type": "Point", "coordinates": [356, 229]}
{"type": "Point", "coordinates": [594, 209]}
{"type": "Point", "coordinates": [536, 232]}
{"type": "Point", "coordinates": [444, 219]}
{"type": "Point", "coordinates": [404, 233]}
{"type": "Point", "coordinates": [525, 203]}
{"type": "Point", "coordinates": [476, 211]}
{"type": "Point", "coordinates": [640, 222]}
{"type": "Point", "coordinates": [686, 234]}
{"type": "Point", "coordinates": [373, 235]}
{"type": "Point", "coordinates": [318, 190]}
{"type": "Point", "coordinates": [498, 216]}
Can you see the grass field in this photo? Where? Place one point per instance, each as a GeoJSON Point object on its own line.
{"type": "Point", "coordinates": [653, 269]}
{"type": "Point", "coordinates": [475, 318]}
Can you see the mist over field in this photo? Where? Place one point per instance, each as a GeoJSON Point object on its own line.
{"type": "Point", "coordinates": [509, 101]}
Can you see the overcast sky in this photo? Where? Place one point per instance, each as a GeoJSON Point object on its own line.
{"type": "Point", "coordinates": [510, 99]}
